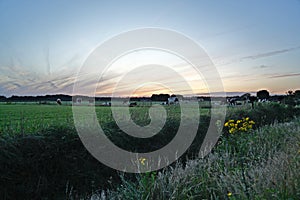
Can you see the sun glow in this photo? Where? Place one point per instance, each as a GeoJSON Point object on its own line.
{"type": "Point", "coordinates": [147, 72]}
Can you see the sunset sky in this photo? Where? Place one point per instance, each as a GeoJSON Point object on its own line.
{"type": "Point", "coordinates": [253, 44]}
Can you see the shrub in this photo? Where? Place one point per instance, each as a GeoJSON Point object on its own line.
{"type": "Point", "coordinates": [265, 113]}
{"type": "Point", "coordinates": [42, 165]}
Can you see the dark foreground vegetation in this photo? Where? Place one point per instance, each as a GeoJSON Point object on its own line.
{"type": "Point", "coordinates": [51, 162]}
{"type": "Point", "coordinates": [263, 164]}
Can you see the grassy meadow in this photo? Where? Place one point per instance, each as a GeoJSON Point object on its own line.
{"type": "Point", "coordinates": [42, 157]}
{"type": "Point", "coordinates": [263, 164]}
{"type": "Point", "coordinates": [31, 117]}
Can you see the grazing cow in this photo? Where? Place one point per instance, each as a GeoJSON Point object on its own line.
{"type": "Point", "coordinates": [232, 101]}
{"type": "Point", "coordinates": [132, 104]}
{"type": "Point", "coordinates": [79, 100]}
{"type": "Point", "coordinates": [172, 100]}
{"type": "Point", "coordinates": [58, 101]}
{"type": "Point", "coordinates": [263, 100]}
{"type": "Point", "coordinates": [106, 104]}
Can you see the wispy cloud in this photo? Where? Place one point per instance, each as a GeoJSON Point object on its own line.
{"type": "Point", "coordinates": [258, 56]}
{"type": "Point", "coordinates": [263, 66]}
{"type": "Point", "coordinates": [22, 81]}
{"type": "Point", "coordinates": [17, 80]}
{"type": "Point", "coordinates": [284, 75]}
{"type": "Point", "coordinates": [268, 54]}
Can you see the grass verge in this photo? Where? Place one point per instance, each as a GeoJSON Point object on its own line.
{"type": "Point", "coordinates": [263, 164]}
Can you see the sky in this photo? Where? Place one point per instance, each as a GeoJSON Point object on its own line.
{"type": "Point", "coordinates": [254, 45]}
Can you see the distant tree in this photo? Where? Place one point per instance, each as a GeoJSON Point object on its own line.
{"type": "Point", "coordinates": [297, 94]}
{"type": "Point", "coordinates": [290, 98]}
{"type": "Point", "coordinates": [2, 98]}
{"type": "Point", "coordinates": [290, 92]}
{"type": "Point", "coordinates": [263, 94]}
{"type": "Point", "coordinates": [154, 97]}
{"type": "Point", "coordinates": [160, 97]}
{"type": "Point", "coordinates": [297, 97]}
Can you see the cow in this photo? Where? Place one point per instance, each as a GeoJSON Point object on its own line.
{"type": "Point", "coordinates": [106, 104]}
{"type": "Point", "coordinates": [58, 101]}
{"type": "Point", "coordinates": [232, 101]}
{"type": "Point", "coordinates": [132, 104]}
{"type": "Point", "coordinates": [172, 100]}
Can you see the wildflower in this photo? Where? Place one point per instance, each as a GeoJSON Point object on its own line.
{"type": "Point", "coordinates": [242, 129]}
{"type": "Point", "coordinates": [142, 160]}
{"type": "Point", "coordinates": [229, 194]}
{"type": "Point", "coordinates": [242, 125]}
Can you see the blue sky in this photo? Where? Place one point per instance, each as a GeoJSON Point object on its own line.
{"type": "Point", "coordinates": [254, 44]}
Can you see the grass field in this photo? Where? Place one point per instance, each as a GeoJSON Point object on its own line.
{"type": "Point", "coordinates": [16, 119]}
{"type": "Point", "coordinates": [30, 117]}
{"type": "Point", "coordinates": [42, 157]}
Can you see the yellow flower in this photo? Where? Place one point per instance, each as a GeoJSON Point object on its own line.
{"type": "Point", "coordinates": [142, 160]}
{"type": "Point", "coordinates": [229, 194]}
{"type": "Point", "coordinates": [242, 125]}
{"type": "Point", "coordinates": [242, 129]}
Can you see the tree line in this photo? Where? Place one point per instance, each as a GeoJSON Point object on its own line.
{"type": "Point", "coordinates": [290, 98]}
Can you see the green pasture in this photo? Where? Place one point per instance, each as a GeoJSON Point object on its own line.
{"type": "Point", "coordinates": [16, 119]}
{"type": "Point", "coordinates": [29, 118]}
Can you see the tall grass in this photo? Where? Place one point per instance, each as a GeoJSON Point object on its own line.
{"type": "Point", "coordinates": [264, 164]}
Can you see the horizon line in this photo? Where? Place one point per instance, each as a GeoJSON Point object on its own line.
{"type": "Point", "coordinates": [213, 94]}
